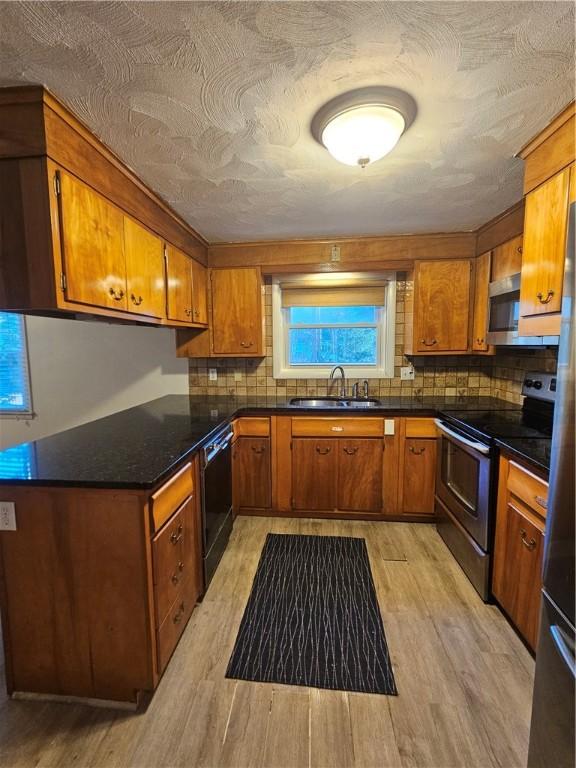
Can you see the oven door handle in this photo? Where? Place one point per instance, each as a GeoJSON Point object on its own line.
{"type": "Point", "coordinates": [484, 449]}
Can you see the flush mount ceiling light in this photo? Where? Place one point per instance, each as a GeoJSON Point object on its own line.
{"type": "Point", "coordinates": [361, 126]}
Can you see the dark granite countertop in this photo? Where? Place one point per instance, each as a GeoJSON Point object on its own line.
{"type": "Point", "coordinates": [532, 451]}
{"type": "Point", "coordinates": [140, 447]}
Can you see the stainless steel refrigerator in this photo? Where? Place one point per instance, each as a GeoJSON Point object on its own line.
{"type": "Point", "coordinates": [552, 728]}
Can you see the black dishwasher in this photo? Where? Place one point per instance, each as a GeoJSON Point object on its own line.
{"type": "Point", "coordinates": [216, 473]}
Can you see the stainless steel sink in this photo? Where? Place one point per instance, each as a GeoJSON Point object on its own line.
{"type": "Point", "coordinates": [318, 402]}
{"type": "Point", "coordinates": [333, 402]}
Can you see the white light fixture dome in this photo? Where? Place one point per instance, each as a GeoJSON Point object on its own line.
{"type": "Point", "coordinates": [362, 126]}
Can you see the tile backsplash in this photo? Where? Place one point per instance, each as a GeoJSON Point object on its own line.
{"type": "Point", "coordinates": [470, 375]}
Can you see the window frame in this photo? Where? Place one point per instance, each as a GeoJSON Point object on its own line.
{"type": "Point", "coordinates": [384, 368]}
{"type": "Point", "coordinates": [27, 413]}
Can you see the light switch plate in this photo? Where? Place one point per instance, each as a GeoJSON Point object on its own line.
{"type": "Point", "coordinates": [237, 376]}
{"type": "Point", "coordinates": [388, 426]}
{"type": "Point", "coordinates": [212, 374]}
{"type": "Point", "coordinates": [214, 414]}
{"type": "Point", "coordinates": [7, 516]}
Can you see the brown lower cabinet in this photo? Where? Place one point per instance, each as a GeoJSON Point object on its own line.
{"type": "Point", "coordinates": [337, 474]}
{"type": "Point", "coordinates": [518, 547]}
{"type": "Point", "coordinates": [417, 466]}
{"type": "Point", "coordinates": [252, 473]}
{"type": "Point", "coordinates": [97, 586]}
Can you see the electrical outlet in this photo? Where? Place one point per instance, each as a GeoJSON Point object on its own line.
{"type": "Point", "coordinates": [214, 414]}
{"type": "Point", "coordinates": [388, 426]}
{"type": "Point", "coordinates": [212, 374]}
{"type": "Point", "coordinates": [7, 516]}
{"type": "Point", "coordinates": [237, 376]}
{"type": "Point", "coordinates": [335, 253]}
{"type": "Point", "coordinates": [407, 373]}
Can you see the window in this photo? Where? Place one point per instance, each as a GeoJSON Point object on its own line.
{"type": "Point", "coordinates": [320, 321]}
{"type": "Point", "coordinates": [15, 398]}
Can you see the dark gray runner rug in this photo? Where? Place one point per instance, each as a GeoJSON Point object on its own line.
{"type": "Point", "coordinates": [312, 618]}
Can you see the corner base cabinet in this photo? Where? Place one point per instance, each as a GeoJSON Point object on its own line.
{"type": "Point", "coordinates": [97, 586]}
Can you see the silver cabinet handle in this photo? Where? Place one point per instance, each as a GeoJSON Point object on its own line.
{"type": "Point", "coordinates": [484, 449]}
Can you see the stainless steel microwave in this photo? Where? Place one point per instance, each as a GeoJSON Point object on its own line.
{"type": "Point", "coordinates": [504, 313]}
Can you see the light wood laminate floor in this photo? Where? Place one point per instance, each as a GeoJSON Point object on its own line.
{"type": "Point", "coordinates": [464, 680]}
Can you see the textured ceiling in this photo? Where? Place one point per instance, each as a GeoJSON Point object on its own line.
{"type": "Point", "coordinates": [211, 103]}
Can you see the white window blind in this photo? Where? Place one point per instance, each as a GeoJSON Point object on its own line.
{"type": "Point", "coordinates": [15, 397]}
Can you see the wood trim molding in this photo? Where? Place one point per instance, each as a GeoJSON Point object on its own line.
{"type": "Point", "coordinates": [556, 123]}
{"type": "Point", "coordinates": [398, 251]}
{"type": "Point", "coordinates": [501, 228]}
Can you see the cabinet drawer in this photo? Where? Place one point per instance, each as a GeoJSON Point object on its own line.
{"type": "Point", "coordinates": [420, 428]}
{"type": "Point", "coordinates": [171, 495]}
{"type": "Point", "coordinates": [175, 622]}
{"type": "Point", "coordinates": [172, 556]}
{"type": "Point", "coordinates": [252, 427]}
{"type": "Point", "coordinates": [347, 427]}
{"type": "Point", "coordinates": [530, 489]}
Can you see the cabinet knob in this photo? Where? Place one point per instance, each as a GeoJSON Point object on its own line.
{"type": "Point", "coordinates": [135, 300]}
{"type": "Point", "coordinates": [416, 451]}
{"type": "Point", "coordinates": [528, 544]}
{"type": "Point", "coordinates": [542, 300]}
{"type": "Point", "coordinates": [322, 451]}
{"type": "Point", "coordinates": [117, 295]}
{"type": "Point", "coordinates": [351, 451]}
{"type": "Point", "coordinates": [188, 311]}
{"type": "Point", "coordinates": [246, 344]}
{"type": "Point", "coordinates": [519, 249]}
{"type": "Point", "coordinates": [258, 448]}
{"type": "Point", "coordinates": [428, 343]}
{"type": "Point", "coordinates": [479, 341]}
{"type": "Point", "coordinates": [176, 536]}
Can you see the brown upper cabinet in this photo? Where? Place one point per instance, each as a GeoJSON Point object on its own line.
{"type": "Point", "coordinates": [441, 306]}
{"type": "Point", "coordinates": [108, 259]}
{"type": "Point", "coordinates": [199, 294]}
{"type": "Point", "coordinates": [81, 232]}
{"type": "Point", "coordinates": [237, 316]}
{"type": "Point", "coordinates": [92, 242]}
{"type": "Point", "coordinates": [480, 322]}
{"type": "Point", "coordinates": [179, 285]}
{"type": "Point", "coordinates": [549, 186]}
{"type": "Point", "coordinates": [507, 258]}
{"type": "Point", "coordinates": [145, 282]}
{"type": "Point", "coordinates": [545, 230]}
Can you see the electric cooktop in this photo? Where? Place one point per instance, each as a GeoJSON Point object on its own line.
{"type": "Point", "coordinates": [532, 420]}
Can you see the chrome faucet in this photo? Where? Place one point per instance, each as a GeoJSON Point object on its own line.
{"type": "Point", "coordinates": [356, 387]}
{"type": "Point", "coordinates": [343, 382]}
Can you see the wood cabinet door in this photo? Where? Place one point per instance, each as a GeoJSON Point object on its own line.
{"type": "Point", "coordinates": [145, 281]}
{"type": "Point", "coordinates": [314, 467]}
{"type": "Point", "coordinates": [179, 285]}
{"type": "Point", "coordinates": [519, 583]}
{"type": "Point", "coordinates": [441, 305]}
{"type": "Point", "coordinates": [360, 465]}
{"type": "Point", "coordinates": [507, 258]}
{"type": "Point", "coordinates": [418, 476]}
{"type": "Point", "coordinates": [92, 241]}
{"type": "Point", "coordinates": [252, 473]}
{"type": "Point", "coordinates": [237, 311]}
{"type": "Point", "coordinates": [545, 226]}
{"type": "Point", "coordinates": [199, 293]}
{"type": "Point", "coordinates": [480, 323]}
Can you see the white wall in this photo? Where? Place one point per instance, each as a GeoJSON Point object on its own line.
{"type": "Point", "coordinates": [83, 370]}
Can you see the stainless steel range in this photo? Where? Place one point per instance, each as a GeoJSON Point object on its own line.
{"type": "Point", "coordinates": [466, 472]}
